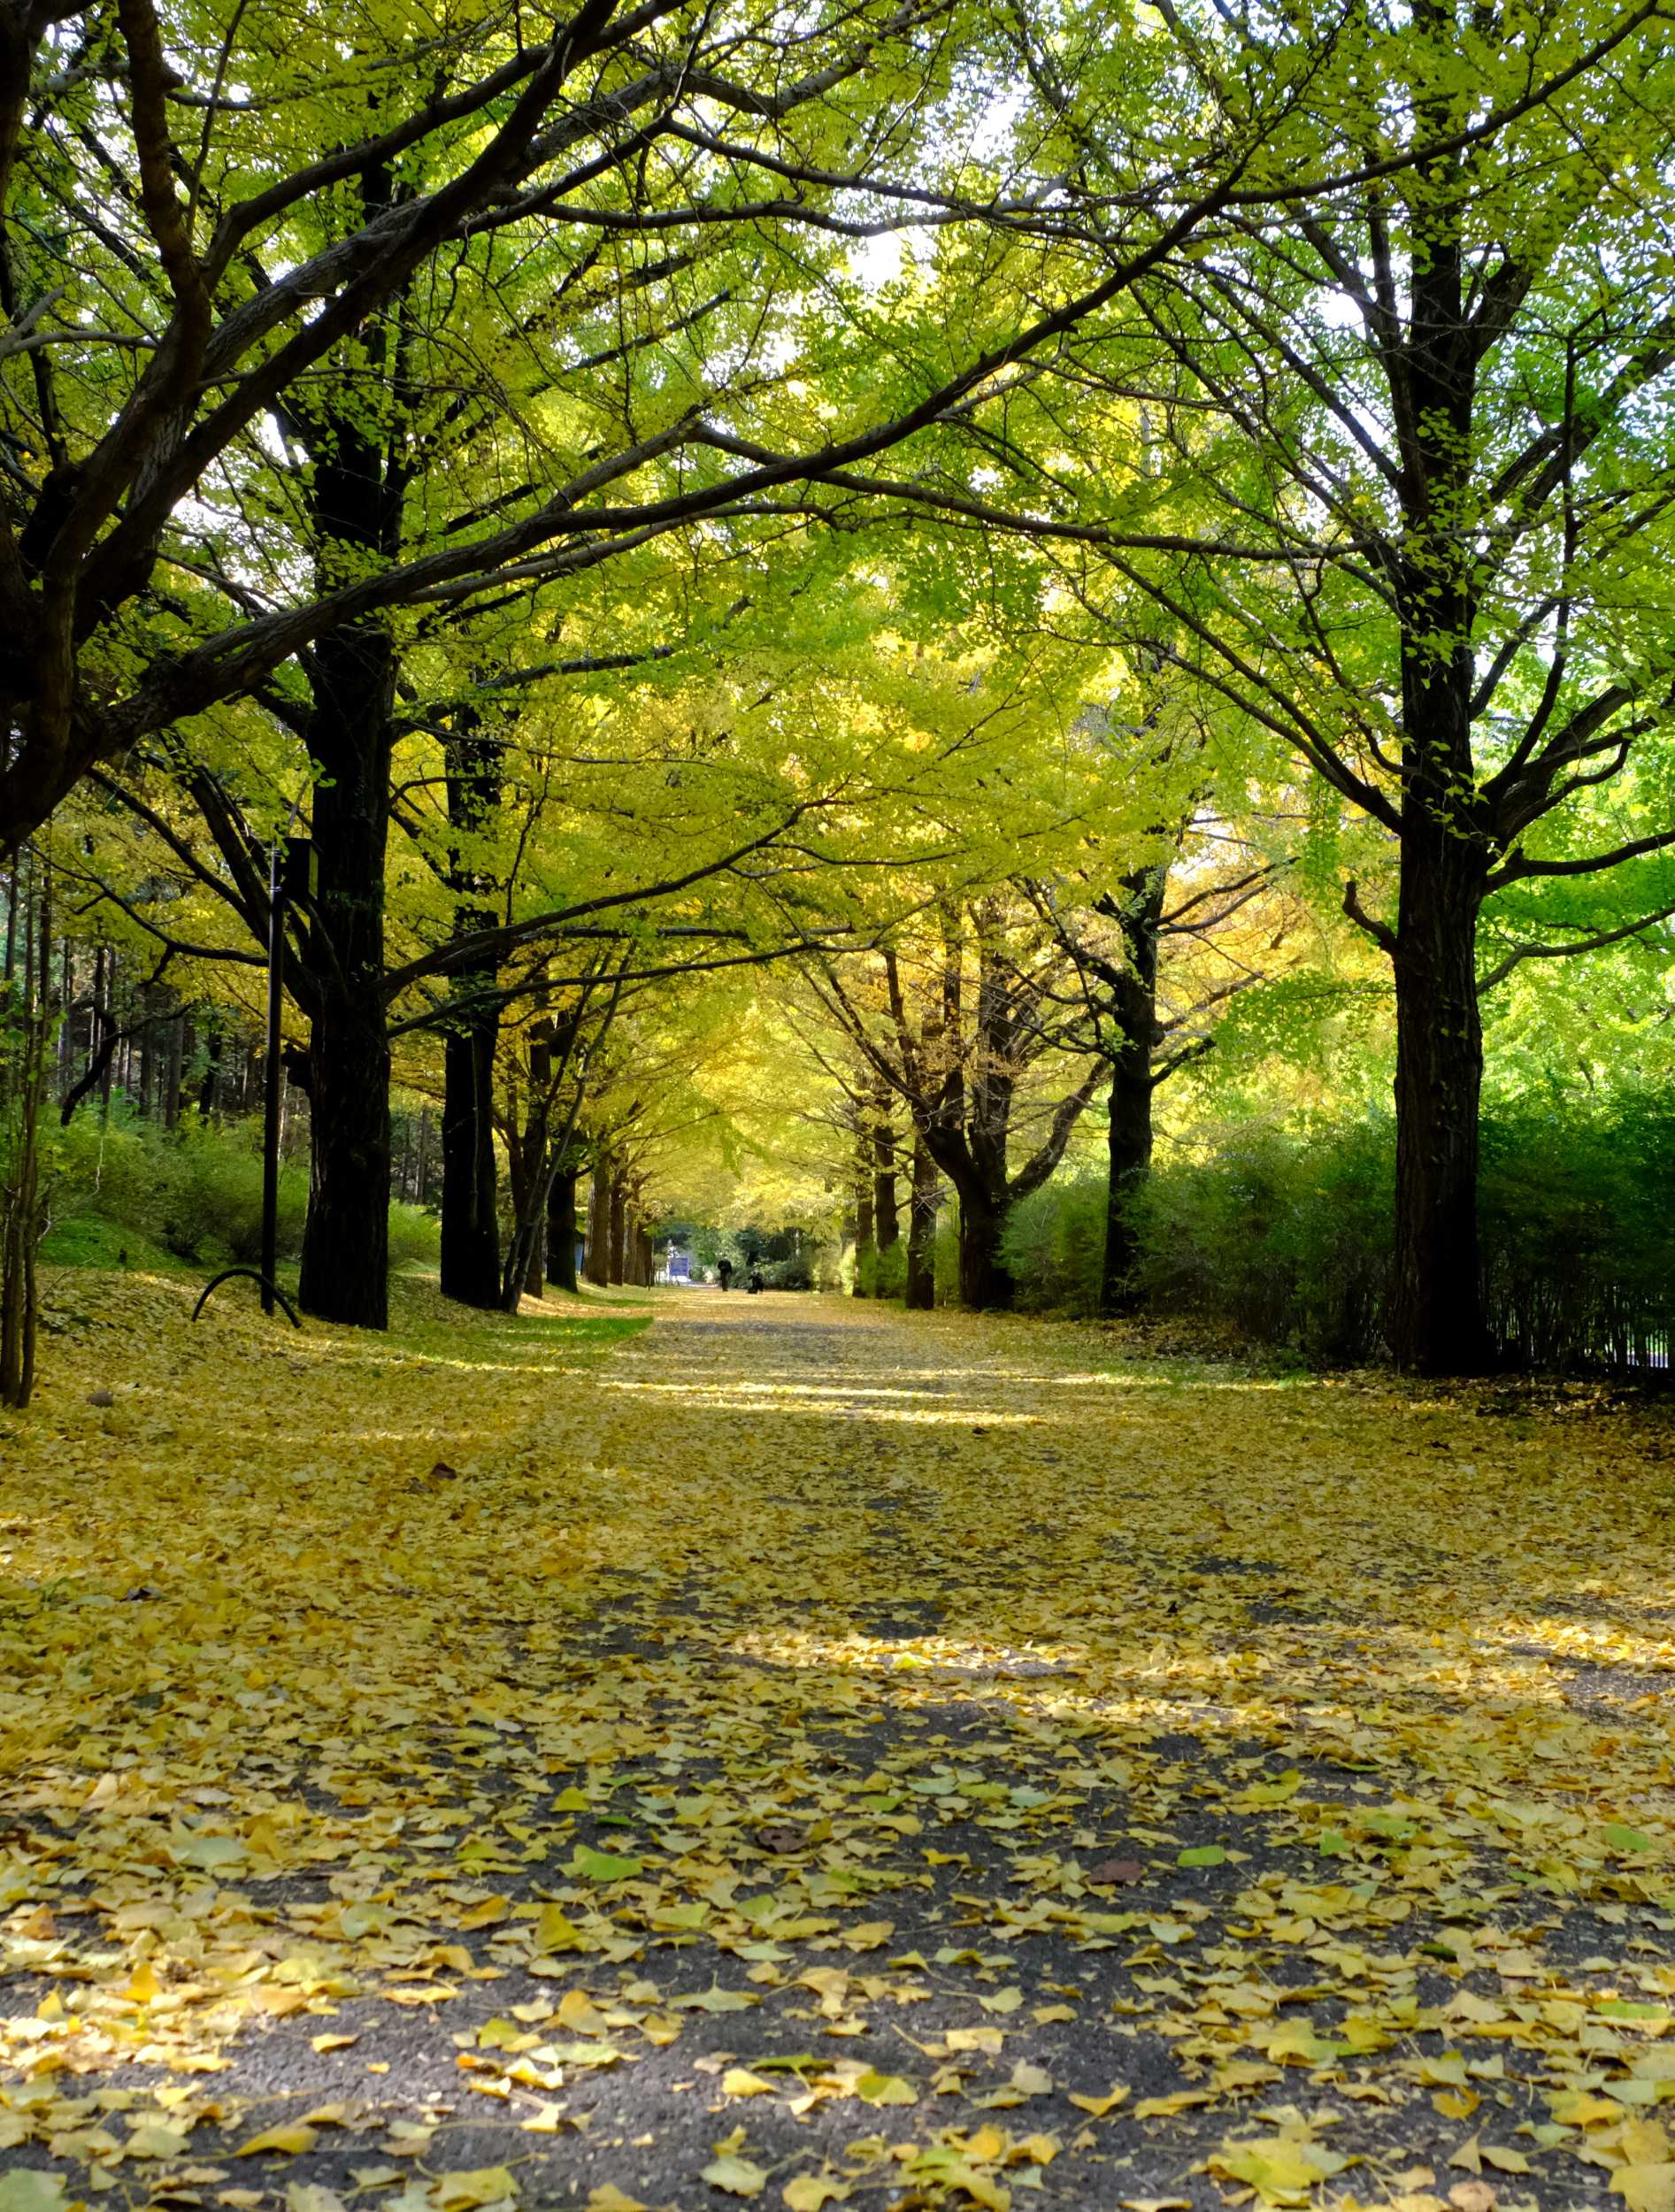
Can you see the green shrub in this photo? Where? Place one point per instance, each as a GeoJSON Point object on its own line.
{"type": "Point", "coordinates": [196, 1190]}
{"type": "Point", "coordinates": [797, 1273]}
{"type": "Point", "coordinates": [1054, 1243]}
{"type": "Point", "coordinates": [1286, 1233]}
{"type": "Point", "coordinates": [415, 1236]}
{"type": "Point", "coordinates": [212, 1194]}
{"type": "Point", "coordinates": [882, 1274]}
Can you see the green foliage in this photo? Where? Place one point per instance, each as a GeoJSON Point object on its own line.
{"type": "Point", "coordinates": [1285, 1235]}
{"type": "Point", "coordinates": [415, 1236]}
{"type": "Point", "coordinates": [1053, 1244]}
{"type": "Point", "coordinates": [795, 1273]}
{"type": "Point", "coordinates": [882, 1274]}
{"type": "Point", "coordinates": [945, 1257]}
{"type": "Point", "coordinates": [195, 1193]}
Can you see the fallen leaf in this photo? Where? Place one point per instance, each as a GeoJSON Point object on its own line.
{"type": "Point", "coordinates": [737, 2176]}
{"type": "Point", "coordinates": [810, 2192]}
{"type": "Point", "coordinates": [289, 2140]}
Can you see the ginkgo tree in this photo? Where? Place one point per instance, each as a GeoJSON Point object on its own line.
{"type": "Point", "coordinates": [1415, 442]}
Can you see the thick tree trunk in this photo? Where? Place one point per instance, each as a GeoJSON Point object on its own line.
{"type": "Point", "coordinates": [470, 1224]}
{"type": "Point", "coordinates": [598, 1267]}
{"type": "Point", "coordinates": [1138, 911]}
{"type": "Point", "coordinates": [985, 1283]}
{"type": "Point", "coordinates": [561, 1229]}
{"type": "Point", "coordinates": [1129, 1143]}
{"type": "Point", "coordinates": [346, 1244]}
{"type": "Point", "coordinates": [1436, 1311]}
{"type": "Point", "coordinates": [618, 1229]}
{"type": "Point", "coordinates": [921, 1233]}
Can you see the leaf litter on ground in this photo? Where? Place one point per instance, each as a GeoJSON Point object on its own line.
{"type": "Point", "coordinates": [808, 1755]}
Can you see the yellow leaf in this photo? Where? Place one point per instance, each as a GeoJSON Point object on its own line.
{"type": "Point", "coordinates": [1100, 2106]}
{"type": "Point", "coordinates": [144, 1985]}
{"type": "Point", "coordinates": [1000, 2000]}
{"type": "Point", "coordinates": [288, 2141]}
{"type": "Point", "coordinates": [609, 2198]}
{"type": "Point", "coordinates": [809, 2192]}
{"type": "Point", "coordinates": [1504, 2161]}
{"type": "Point", "coordinates": [994, 2196]}
{"type": "Point", "coordinates": [332, 2042]}
{"type": "Point", "coordinates": [1166, 2108]}
{"type": "Point", "coordinates": [491, 1910]}
{"type": "Point", "coordinates": [1280, 2169]}
{"type": "Point", "coordinates": [1585, 2108]}
{"type": "Point", "coordinates": [1647, 2188]}
{"type": "Point", "coordinates": [868, 1935]}
{"type": "Point", "coordinates": [987, 2040]}
{"type": "Point", "coordinates": [737, 2176]}
{"type": "Point", "coordinates": [739, 2081]}
{"type": "Point", "coordinates": [579, 2011]}
{"type": "Point", "coordinates": [555, 1931]}
{"type": "Point", "coordinates": [464, 2191]}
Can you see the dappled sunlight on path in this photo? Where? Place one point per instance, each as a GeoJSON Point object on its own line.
{"type": "Point", "coordinates": [807, 1752]}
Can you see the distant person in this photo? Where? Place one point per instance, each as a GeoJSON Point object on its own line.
{"type": "Point", "coordinates": [725, 1271]}
{"type": "Point", "coordinates": [754, 1283]}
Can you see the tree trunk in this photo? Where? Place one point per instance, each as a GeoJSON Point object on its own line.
{"type": "Point", "coordinates": [561, 1229]}
{"type": "Point", "coordinates": [356, 495]}
{"type": "Point", "coordinates": [471, 1220]}
{"type": "Point", "coordinates": [618, 1228]}
{"type": "Point", "coordinates": [886, 1226]}
{"type": "Point", "coordinates": [598, 1265]}
{"type": "Point", "coordinates": [863, 1222]}
{"type": "Point", "coordinates": [346, 1244]}
{"type": "Point", "coordinates": [207, 1100]}
{"type": "Point", "coordinates": [1436, 1313]}
{"type": "Point", "coordinates": [921, 1232]}
{"type": "Point", "coordinates": [1129, 1152]}
{"type": "Point", "coordinates": [986, 1284]}
{"type": "Point", "coordinates": [470, 1225]}
{"type": "Point", "coordinates": [1133, 1010]}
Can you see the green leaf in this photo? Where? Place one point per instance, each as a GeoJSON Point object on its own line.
{"type": "Point", "coordinates": [604, 1866]}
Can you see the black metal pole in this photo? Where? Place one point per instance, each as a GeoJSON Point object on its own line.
{"type": "Point", "coordinates": [271, 1100]}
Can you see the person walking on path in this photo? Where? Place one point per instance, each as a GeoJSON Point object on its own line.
{"type": "Point", "coordinates": [725, 1271]}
